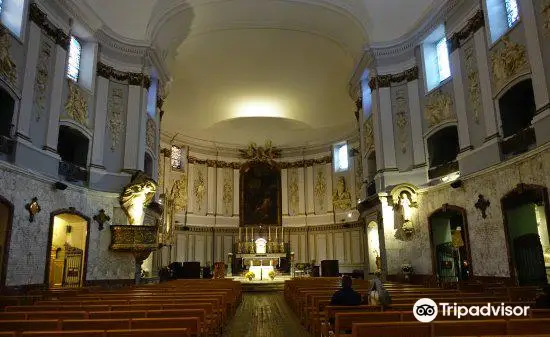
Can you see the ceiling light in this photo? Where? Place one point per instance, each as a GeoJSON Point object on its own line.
{"type": "Point", "coordinates": [258, 108]}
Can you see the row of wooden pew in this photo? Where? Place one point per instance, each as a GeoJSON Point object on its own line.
{"type": "Point", "coordinates": [309, 298]}
{"type": "Point", "coordinates": [177, 308]}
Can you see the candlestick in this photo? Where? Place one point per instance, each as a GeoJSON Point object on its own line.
{"type": "Point", "coordinates": [240, 237]}
{"type": "Point", "coordinates": [252, 234]}
{"type": "Point", "coordinates": [269, 234]}
{"type": "Point", "coordinates": [276, 236]}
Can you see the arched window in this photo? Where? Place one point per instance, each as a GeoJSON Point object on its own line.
{"type": "Point", "coordinates": [443, 147]}
{"type": "Point", "coordinates": [148, 165]}
{"type": "Point", "coordinates": [73, 66]}
{"type": "Point", "coordinates": [517, 108]}
{"type": "Point", "coordinates": [72, 146]}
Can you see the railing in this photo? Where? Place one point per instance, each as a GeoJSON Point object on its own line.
{"type": "Point", "coordinates": [443, 169]}
{"type": "Point", "coordinates": [72, 172]}
{"type": "Point", "coordinates": [518, 143]}
{"type": "Point", "coordinates": [6, 145]}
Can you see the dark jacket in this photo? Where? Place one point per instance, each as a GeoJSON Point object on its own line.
{"type": "Point", "coordinates": [543, 302]}
{"type": "Point", "coordinates": [346, 296]}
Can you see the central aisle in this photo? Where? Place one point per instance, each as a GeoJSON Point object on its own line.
{"type": "Point", "coordinates": [264, 315]}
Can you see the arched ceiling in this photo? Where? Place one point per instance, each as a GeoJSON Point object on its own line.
{"type": "Point", "coordinates": [250, 70]}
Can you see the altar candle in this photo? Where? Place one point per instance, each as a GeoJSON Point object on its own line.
{"type": "Point", "coordinates": [239, 234]}
{"type": "Point", "coordinates": [269, 233]}
{"type": "Point", "coordinates": [276, 236]}
{"type": "Point", "coordinates": [252, 234]}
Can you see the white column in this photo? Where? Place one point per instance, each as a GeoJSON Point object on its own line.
{"type": "Point", "coordinates": [236, 194]}
{"type": "Point", "coordinates": [377, 133]}
{"type": "Point", "coordinates": [101, 103]}
{"type": "Point", "coordinates": [419, 156]}
{"type": "Point", "coordinates": [29, 79]}
{"type": "Point", "coordinates": [309, 190]}
{"type": "Point", "coordinates": [211, 191]}
{"type": "Point", "coordinates": [538, 75]}
{"type": "Point", "coordinates": [480, 41]}
{"type": "Point", "coordinates": [284, 191]}
{"type": "Point", "coordinates": [134, 120]}
{"type": "Point", "coordinates": [56, 99]}
{"type": "Point", "coordinates": [460, 101]}
{"type": "Point", "coordinates": [142, 140]}
{"type": "Point", "coordinates": [386, 124]}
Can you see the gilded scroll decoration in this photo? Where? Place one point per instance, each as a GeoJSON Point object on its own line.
{"type": "Point", "coordinates": [259, 153]}
{"type": "Point", "coordinates": [199, 189]}
{"type": "Point", "coordinates": [320, 189]}
{"type": "Point", "coordinates": [341, 198]}
{"type": "Point", "coordinates": [401, 118]}
{"type": "Point", "coordinates": [368, 133]}
{"type": "Point", "coordinates": [179, 194]}
{"type": "Point", "coordinates": [293, 196]}
{"type": "Point", "coordinates": [508, 62]}
{"type": "Point", "coordinates": [228, 192]}
{"type": "Point", "coordinates": [136, 196]}
{"type": "Point", "coordinates": [150, 133]}
{"type": "Point", "coordinates": [8, 69]}
{"type": "Point", "coordinates": [545, 13]}
{"type": "Point", "coordinates": [77, 104]}
{"type": "Point", "coordinates": [439, 108]}
{"type": "Point", "coordinates": [358, 169]}
{"type": "Point", "coordinates": [473, 82]}
{"type": "Point", "coordinates": [115, 123]}
{"type": "Point", "coordinates": [41, 84]}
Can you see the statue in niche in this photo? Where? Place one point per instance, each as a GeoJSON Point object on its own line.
{"type": "Point", "coordinates": [137, 195]}
{"type": "Point", "coordinates": [341, 198]}
{"type": "Point", "coordinates": [403, 219]}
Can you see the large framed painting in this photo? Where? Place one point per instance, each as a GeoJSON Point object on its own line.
{"type": "Point", "coordinates": [260, 194]}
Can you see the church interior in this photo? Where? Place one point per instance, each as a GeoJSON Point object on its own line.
{"type": "Point", "coordinates": [224, 167]}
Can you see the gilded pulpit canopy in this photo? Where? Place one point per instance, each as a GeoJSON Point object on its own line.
{"type": "Point", "coordinates": [137, 195]}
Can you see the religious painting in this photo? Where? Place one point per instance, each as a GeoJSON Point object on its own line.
{"type": "Point", "coordinates": [260, 194]}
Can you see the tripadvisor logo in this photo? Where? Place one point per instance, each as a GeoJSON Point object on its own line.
{"type": "Point", "coordinates": [426, 310]}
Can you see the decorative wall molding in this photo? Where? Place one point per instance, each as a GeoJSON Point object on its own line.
{"type": "Point", "coordinates": [115, 121]}
{"type": "Point", "coordinates": [473, 83]}
{"type": "Point", "coordinates": [382, 81]}
{"type": "Point", "coordinates": [282, 165]}
{"type": "Point", "coordinates": [474, 24]}
{"type": "Point", "coordinates": [150, 133]}
{"type": "Point", "coordinates": [178, 193]}
{"type": "Point", "coordinates": [341, 197]}
{"type": "Point", "coordinates": [368, 134]}
{"type": "Point", "coordinates": [8, 68]}
{"type": "Point", "coordinates": [439, 108]}
{"type": "Point", "coordinates": [37, 16]}
{"type": "Point", "coordinates": [320, 188]}
{"type": "Point", "coordinates": [77, 104]}
{"type": "Point", "coordinates": [42, 76]}
{"type": "Point", "coordinates": [293, 195]}
{"type": "Point", "coordinates": [111, 73]}
{"type": "Point", "coordinates": [401, 108]}
{"type": "Point", "coordinates": [508, 61]}
{"type": "Point", "coordinates": [200, 189]}
{"type": "Point", "coordinates": [227, 196]}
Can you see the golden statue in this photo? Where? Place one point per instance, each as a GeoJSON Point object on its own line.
{"type": "Point", "coordinates": [136, 195]}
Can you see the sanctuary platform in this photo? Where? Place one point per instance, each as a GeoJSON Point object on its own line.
{"type": "Point", "coordinates": [264, 285]}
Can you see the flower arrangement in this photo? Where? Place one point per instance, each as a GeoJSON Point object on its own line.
{"type": "Point", "coordinates": [407, 268]}
{"type": "Point", "coordinates": [271, 274]}
{"type": "Point", "coordinates": [249, 275]}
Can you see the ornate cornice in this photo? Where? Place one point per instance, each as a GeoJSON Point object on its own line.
{"type": "Point", "coordinates": [109, 72]}
{"type": "Point", "coordinates": [235, 230]}
{"type": "Point", "coordinates": [40, 18]}
{"type": "Point", "coordinates": [383, 81]}
{"type": "Point", "coordinates": [475, 23]}
{"type": "Point", "coordinates": [237, 165]}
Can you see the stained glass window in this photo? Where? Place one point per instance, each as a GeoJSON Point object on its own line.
{"type": "Point", "coordinates": [443, 59]}
{"type": "Point", "coordinates": [176, 158]}
{"type": "Point", "coordinates": [512, 11]}
{"type": "Point", "coordinates": [73, 68]}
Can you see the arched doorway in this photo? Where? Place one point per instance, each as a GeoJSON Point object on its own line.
{"type": "Point", "coordinates": [373, 242]}
{"type": "Point", "coordinates": [68, 249]}
{"type": "Point", "coordinates": [525, 210]}
{"type": "Point", "coordinates": [6, 215]}
{"type": "Point", "coordinates": [451, 260]}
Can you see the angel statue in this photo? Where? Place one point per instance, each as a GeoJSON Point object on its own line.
{"type": "Point", "coordinates": [136, 196]}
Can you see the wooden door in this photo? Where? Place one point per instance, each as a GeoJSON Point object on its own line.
{"type": "Point", "coordinates": [529, 260]}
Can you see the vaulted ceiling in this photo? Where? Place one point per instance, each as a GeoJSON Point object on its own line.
{"type": "Point", "coordinates": [250, 70]}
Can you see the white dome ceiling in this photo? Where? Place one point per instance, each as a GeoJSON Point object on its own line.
{"type": "Point", "coordinates": [250, 70]}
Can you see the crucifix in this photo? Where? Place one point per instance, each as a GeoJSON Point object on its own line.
{"type": "Point", "coordinates": [482, 204]}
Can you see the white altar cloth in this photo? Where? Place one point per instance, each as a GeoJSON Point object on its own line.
{"type": "Point", "coordinates": [261, 272]}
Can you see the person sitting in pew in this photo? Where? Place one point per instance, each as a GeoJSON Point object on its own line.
{"type": "Point", "coordinates": [378, 295]}
{"type": "Point", "coordinates": [346, 295]}
{"type": "Point", "coordinates": [543, 301]}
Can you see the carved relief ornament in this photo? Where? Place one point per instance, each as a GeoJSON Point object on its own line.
{"type": "Point", "coordinates": [508, 62]}
{"type": "Point", "coordinates": [368, 132]}
{"type": "Point", "coordinates": [41, 84]}
{"type": "Point", "coordinates": [258, 153]}
{"type": "Point", "coordinates": [77, 104]}
{"type": "Point", "coordinates": [228, 192]}
{"type": "Point", "coordinates": [474, 88]}
{"type": "Point", "coordinates": [178, 194]}
{"type": "Point", "coordinates": [8, 69]}
{"type": "Point", "coordinates": [293, 196]}
{"type": "Point", "coordinates": [401, 118]}
{"type": "Point", "coordinates": [439, 108]}
{"type": "Point", "coordinates": [150, 133]}
{"type": "Point", "coordinates": [341, 198]}
{"type": "Point", "coordinates": [115, 123]}
{"type": "Point", "coordinates": [199, 189]}
{"type": "Point", "coordinates": [320, 188]}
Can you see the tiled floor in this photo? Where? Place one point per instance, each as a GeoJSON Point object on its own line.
{"type": "Point", "coordinates": [264, 315]}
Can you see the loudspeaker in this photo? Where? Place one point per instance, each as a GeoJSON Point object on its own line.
{"type": "Point", "coordinates": [330, 268]}
{"type": "Point", "coordinates": [456, 184]}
